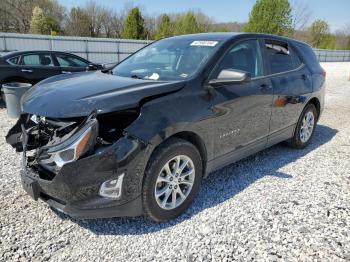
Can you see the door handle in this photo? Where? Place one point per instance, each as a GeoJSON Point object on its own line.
{"type": "Point", "coordinates": [27, 70]}
{"type": "Point", "coordinates": [66, 72]}
{"type": "Point", "coordinates": [265, 87]}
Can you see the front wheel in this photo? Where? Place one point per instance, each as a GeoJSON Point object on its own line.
{"type": "Point", "coordinates": [305, 127]}
{"type": "Point", "coordinates": [172, 179]}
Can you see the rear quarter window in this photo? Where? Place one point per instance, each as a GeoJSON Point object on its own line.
{"type": "Point", "coordinates": [14, 60]}
{"type": "Point", "coordinates": [309, 57]}
{"type": "Point", "coordinates": [281, 57]}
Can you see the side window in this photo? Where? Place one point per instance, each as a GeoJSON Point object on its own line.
{"type": "Point", "coordinates": [244, 56]}
{"type": "Point", "coordinates": [281, 57]}
{"type": "Point", "coordinates": [70, 61]}
{"type": "Point", "coordinates": [14, 60]}
{"type": "Point", "coordinates": [38, 60]}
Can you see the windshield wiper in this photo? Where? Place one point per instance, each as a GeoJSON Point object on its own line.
{"type": "Point", "coordinates": [107, 71]}
{"type": "Point", "coordinates": [136, 77]}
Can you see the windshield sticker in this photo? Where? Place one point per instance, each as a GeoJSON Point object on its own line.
{"type": "Point", "coordinates": [204, 43]}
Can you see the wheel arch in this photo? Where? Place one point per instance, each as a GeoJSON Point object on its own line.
{"type": "Point", "coordinates": [317, 104]}
{"type": "Point", "coordinates": [197, 141]}
{"type": "Point", "coordinates": [192, 138]}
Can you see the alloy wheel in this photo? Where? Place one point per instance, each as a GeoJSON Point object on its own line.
{"type": "Point", "coordinates": [307, 126]}
{"type": "Point", "coordinates": [174, 182]}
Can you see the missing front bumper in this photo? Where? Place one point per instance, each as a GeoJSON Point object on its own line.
{"type": "Point", "coordinates": [75, 189]}
{"type": "Point", "coordinates": [132, 208]}
{"type": "Point", "coordinates": [92, 207]}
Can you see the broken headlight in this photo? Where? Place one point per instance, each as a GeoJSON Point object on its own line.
{"type": "Point", "coordinates": [73, 148]}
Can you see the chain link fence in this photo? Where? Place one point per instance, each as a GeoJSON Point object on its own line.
{"type": "Point", "coordinates": [324, 55]}
{"type": "Point", "coordinates": [106, 50]}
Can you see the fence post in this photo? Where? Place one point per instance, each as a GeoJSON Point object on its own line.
{"type": "Point", "coordinates": [50, 43]}
{"type": "Point", "coordinates": [118, 51]}
{"type": "Point", "coordinates": [87, 48]}
{"type": "Point", "coordinates": [5, 47]}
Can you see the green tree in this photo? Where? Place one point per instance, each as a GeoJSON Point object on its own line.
{"type": "Point", "coordinates": [320, 36]}
{"type": "Point", "coordinates": [272, 17]}
{"type": "Point", "coordinates": [165, 28]}
{"type": "Point", "coordinates": [134, 27]}
{"type": "Point", "coordinates": [220, 28]}
{"type": "Point", "coordinates": [188, 24]}
{"type": "Point", "coordinates": [42, 24]}
{"type": "Point", "coordinates": [328, 42]}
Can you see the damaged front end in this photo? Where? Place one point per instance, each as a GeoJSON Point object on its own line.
{"type": "Point", "coordinates": [48, 144]}
{"type": "Point", "coordinates": [84, 166]}
{"type": "Point", "coordinates": [56, 142]}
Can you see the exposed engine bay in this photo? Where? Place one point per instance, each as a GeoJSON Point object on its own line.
{"type": "Point", "coordinates": [48, 144]}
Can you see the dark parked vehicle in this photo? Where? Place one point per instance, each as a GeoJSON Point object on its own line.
{"type": "Point", "coordinates": [34, 66]}
{"type": "Point", "coordinates": [139, 138]}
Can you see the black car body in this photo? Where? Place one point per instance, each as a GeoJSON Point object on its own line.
{"type": "Point", "coordinates": [34, 66]}
{"type": "Point", "coordinates": [252, 91]}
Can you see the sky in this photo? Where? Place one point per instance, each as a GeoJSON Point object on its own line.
{"type": "Point", "coordinates": [336, 12]}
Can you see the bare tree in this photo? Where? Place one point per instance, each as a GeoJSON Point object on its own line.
{"type": "Point", "coordinates": [343, 38]}
{"type": "Point", "coordinates": [301, 14]}
{"type": "Point", "coordinates": [151, 25]}
{"type": "Point", "coordinates": [204, 21]}
{"type": "Point", "coordinates": [95, 13]}
{"type": "Point", "coordinates": [78, 23]}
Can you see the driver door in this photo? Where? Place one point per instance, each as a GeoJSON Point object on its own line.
{"type": "Point", "coordinates": [243, 109]}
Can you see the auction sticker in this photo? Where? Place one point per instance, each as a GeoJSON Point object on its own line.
{"type": "Point", "coordinates": [204, 43]}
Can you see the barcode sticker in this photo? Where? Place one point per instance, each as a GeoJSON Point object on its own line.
{"type": "Point", "coordinates": [204, 43]}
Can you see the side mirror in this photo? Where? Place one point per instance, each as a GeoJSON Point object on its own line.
{"type": "Point", "coordinates": [94, 66]}
{"type": "Point", "coordinates": [230, 76]}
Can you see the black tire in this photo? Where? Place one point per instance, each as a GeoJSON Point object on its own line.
{"type": "Point", "coordinates": [296, 141]}
{"type": "Point", "coordinates": [164, 153]}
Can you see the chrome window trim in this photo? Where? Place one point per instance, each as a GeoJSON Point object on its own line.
{"type": "Point", "coordinates": [302, 65]}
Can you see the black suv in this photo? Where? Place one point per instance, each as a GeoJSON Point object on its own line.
{"type": "Point", "coordinates": [138, 139]}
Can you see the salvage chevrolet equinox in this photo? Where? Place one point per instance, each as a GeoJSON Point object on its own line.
{"type": "Point", "coordinates": [139, 138]}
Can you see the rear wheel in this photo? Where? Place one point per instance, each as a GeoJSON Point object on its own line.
{"type": "Point", "coordinates": [172, 179]}
{"type": "Point", "coordinates": [305, 127]}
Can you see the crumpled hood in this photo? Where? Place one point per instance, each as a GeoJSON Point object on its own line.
{"type": "Point", "coordinates": [76, 95]}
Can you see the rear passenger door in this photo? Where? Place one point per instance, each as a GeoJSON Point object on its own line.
{"type": "Point", "coordinates": [35, 67]}
{"type": "Point", "coordinates": [70, 63]}
{"type": "Point", "coordinates": [292, 84]}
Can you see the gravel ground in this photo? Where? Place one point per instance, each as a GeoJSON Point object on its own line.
{"type": "Point", "coordinates": [280, 204]}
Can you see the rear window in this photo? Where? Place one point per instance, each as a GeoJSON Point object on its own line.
{"type": "Point", "coordinates": [281, 57]}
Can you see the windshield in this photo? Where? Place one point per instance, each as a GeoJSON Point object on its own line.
{"type": "Point", "coordinates": [169, 59]}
